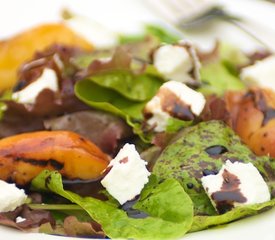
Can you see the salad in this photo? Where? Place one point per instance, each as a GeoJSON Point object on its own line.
{"type": "Point", "coordinates": [149, 139]}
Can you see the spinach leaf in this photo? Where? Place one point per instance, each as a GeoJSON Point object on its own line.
{"type": "Point", "coordinates": [169, 208]}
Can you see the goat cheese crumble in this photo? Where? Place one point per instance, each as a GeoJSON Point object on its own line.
{"type": "Point", "coordinates": [47, 80]}
{"type": "Point", "coordinates": [127, 174]}
{"type": "Point", "coordinates": [236, 184]}
{"type": "Point", "coordinates": [173, 99]}
{"type": "Point", "coordinates": [20, 219]}
{"type": "Point", "coordinates": [261, 73]}
{"type": "Point", "coordinates": [11, 197]}
{"type": "Point", "coordinates": [177, 62]}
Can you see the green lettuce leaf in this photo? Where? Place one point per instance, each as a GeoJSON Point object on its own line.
{"type": "Point", "coordinates": [222, 74]}
{"type": "Point", "coordinates": [186, 158]}
{"type": "Point", "coordinates": [169, 208]}
{"type": "Point", "coordinates": [84, 60]}
{"type": "Point", "coordinates": [156, 31]}
{"type": "Point", "coordinates": [139, 87]}
{"type": "Point", "coordinates": [7, 95]}
{"type": "Point", "coordinates": [128, 39]}
{"type": "Point", "coordinates": [232, 54]}
{"type": "Point", "coordinates": [203, 222]}
{"type": "Point", "coordinates": [162, 34]}
{"type": "Point", "coordinates": [174, 125]}
{"type": "Point", "coordinates": [217, 79]}
{"type": "Point", "coordinates": [110, 101]}
{"type": "Point", "coordinates": [107, 100]}
{"type": "Point", "coordinates": [121, 93]}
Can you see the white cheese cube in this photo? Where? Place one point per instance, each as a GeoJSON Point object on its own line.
{"type": "Point", "coordinates": [180, 96]}
{"type": "Point", "coordinates": [194, 99]}
{"type": "Point", "coordinates": [11, 197]}
{"type": "Point", "coordinates": [159, 118]}
{"type": "Point", "coordinates": [169, 58]}
{"type": "Point", "coordinates": [236, 184]}
{"type": "Point", "coordinates": [261, 73]}
{"type": "Point", "coordinates": [127, 176]}
{"type": "Point", "coordinates": [47, 80]}
{"type": "Point", "coordinates": [177, 62]}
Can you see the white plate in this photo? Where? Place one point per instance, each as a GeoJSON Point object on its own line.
{"type": "Point", "coordinates": [124, 16]}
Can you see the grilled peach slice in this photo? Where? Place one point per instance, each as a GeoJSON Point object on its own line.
{"type": "Point", "coordinates": [24, 156]}
{"type": "Point", "coordinates": [15, 51]}
{"type": "Point", "coordinates": [248, 119]}
{"type": "Point", "coordinates": [263, 141]}
{"type": "Point", "coordinates": [252, 116]}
